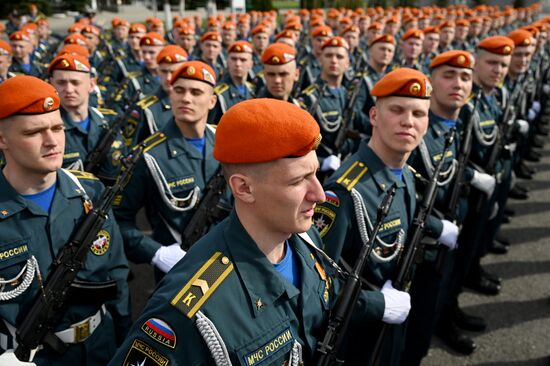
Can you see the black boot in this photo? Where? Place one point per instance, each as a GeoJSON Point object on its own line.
{"type": "Point", "coordinates": [469, 322]}
{"type": "Point", "coordinates": [453, 337]}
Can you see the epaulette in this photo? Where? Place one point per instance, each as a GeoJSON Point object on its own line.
{"type": "Point", "coordinates": [107, 111]}
{"type": "Point", "coordinates": [352, 175]}
{"type": "Point", "coordinates": [153, 141]}
{"type": "Point", "coordinates": [251, 86]}
{"type": "Point", "coordinates": [202, 285]}
{"type": "Point", "coordinates": [134, 74]}
{"type": "Point", "coordinates": [83, 175]}
{"type": "Point", "coordinates": [147, 101]}
{"type": "Point", "coordinates": [221, 88]}
{"type": "Point", "coordinates": [310, 89]}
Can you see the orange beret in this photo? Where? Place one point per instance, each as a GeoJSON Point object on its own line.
{"type": "Point", "coordinates": [350, 28]}
{"type": "Point", "coordinates": [76, 38]}
{"type": "Point", "coordinates": [5, 48]}
{"type": "Point", "coordinates": [240, 47]}
{"type": "Point", "coordinates": [521, 37]}
{"type": "Point", "coordinates": [76, 28]}
{"type": "Point", "coordinates": [259, 29]}
{"type": "Point", "coordinates": [499, 45]}
{"type": "Point", "coordinates": [462, 23]}
{"type": "Point", "coordinates": [346, 21]}
{"type": "Point", "coordinates": [384, 38]}
{"type": "Point", "coordinates": [196, 70]}
{"type": "Point", "coordinates": [74, 49]}
{"type": "Point", "coordinates": [447, 24]}
{"type": "Point", "coordinates": [375, 25]}
{"type": "Point", "coordinates": [91, 29]}
{"type": "Point", "coordinates": [211, 36]}
{"type": "Point", "coordinates": [27, 95]}
{"type": "Point", "coordinates": [432, 29]}
{"type": "Point", "coordinates": [152, 39]}
{"type": "Point", "coordinates": [278, 54]}
{"type": "Point", "coordinates": [413, 33]}
{"type": "Point", "coordinates": [118, 22]}
{"type": "Point", "coordinates": [70, 62]}
{"type": "Point", "coordinates": [335, 42]}
{"type": "Point", "coordinates": [321, 31]}
{"type": "Point", "coordinates": [20, 36]}
{"type": "Point", "coordinates": [186, 31]}
{"type": "Point", "coordinates": [403, 82]}
{"type": "Point", "coordinates": [29, 28]}
{"type": "Point", "coordinates": [284, 34]}
{"type": "Point", "coordinates": [137, 28]}
{"type": "Point", "coordinates": [263, 130]}
{"type": "Point", "coordinates": [316, 23]}
{"type": "Point", "coordinates": [229, 26]}
{"type": "Point", "coordinates": [293, 26]}
{"type": "Point", "coordinates": [454, 58]}
{"type": "Point", "coordinates": [42, 21]}
{"type": "Point", "coordinates": [172, 54]}
{"type": "Point", "coordinates": [154, 22]}
{"type": "Point", "coordinates": [392, 20]}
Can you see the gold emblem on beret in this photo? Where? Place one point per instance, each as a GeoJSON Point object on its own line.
{"type": "Point", "coordinates": [190, 71]}
{"type": "Point", "coordinates": [48, 103]}
{"type": "Point", "coordinates": [507, 49]}
{"type": "Point", "coordinates": [275, 60]}
{"type": "Point", "coordinates": [388, 38]}
{"type": "Point", "coordinates": [324, 33]}
{"type": "Point", "coordinates": [65, 63]}
{"type": "Point", "coordinates": [147, 41]}
{"type": "Point", "coordinates": [417, 34]}
{"type": "Point", "coordinates": [317, 142]}
{"type": "Point", "coordinates": [168, 59]}
{"type": "Point", "coordinates": [334, 42]}
{"type": "Point", "coordinates": [461, 60]}
{"type": "Point", "coordinates": [526, 42]}
{"type": "Point", "coordinates": [238, 48]}
{"type": "Point", "coordinates": [414, 88]}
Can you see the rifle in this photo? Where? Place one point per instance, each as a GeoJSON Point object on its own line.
{"type": "Point", "coordinates": [37, 326]}
{"type": "Point", "coordinates": [298, 85]}
{"type": "Point", "coordinates": [207, 211]}
{"type": "Point", "coordinates": [349, 116]}
{"type": "Point", "coordinates": [456, 191]}
{"type": "Point", "coordinates": [402, 280]}
{"type": "Point", "coordinates": [95, 158]}
{"type": "Point", "coordinates": [327, 349]}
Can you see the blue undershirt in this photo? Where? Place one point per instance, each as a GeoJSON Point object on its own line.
{"type": "Point", "coordinates": [84, 125]}
{"type": "Point", "coordinates": [398, 172]}
{"type": "Point", "coordinates": [288, 267]}
{"type": "Point", "coordinates": [43, 199]}
{"type": "Point", "coordinates": [241, 89]}
{"type": "Point", "coordinates": [451, 123]}
{"type": "Point", "coordinates": [26, 68]}
{"type": "Point", "coordinates": [197, 144]}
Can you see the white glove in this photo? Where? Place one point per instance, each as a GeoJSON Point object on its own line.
{"type": "Point", "coordinates": [523, 126]}
{"type": "Point", "coordinates": [398, 304]}
{"type": "Point", "coordinates": [449, 235]}
{"type": "Point", "coordinates": [331, 162]}
{"type": "Point", "coordinates": [536, 106]}
{"type": "Point", "coordinates": [167, 256]}
{"type": "Point", "coordinates": [531, 115]}
{"type": "Point", "coordinates": [484, 182]}
{"type": "Point", "coordinates": [8, 359]}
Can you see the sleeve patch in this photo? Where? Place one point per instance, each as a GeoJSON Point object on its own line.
{"type": "Point", "coordinates": [323, 218]}
{"type": "Point", "coordinates": [160, 331]}
{"type": "Point", "coordinates": [144, 355]}
{"type": "Point", "coordinates": [332, 198]}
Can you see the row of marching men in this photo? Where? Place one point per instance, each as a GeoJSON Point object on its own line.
{"type": "Point", "coordinates": [492, 108]}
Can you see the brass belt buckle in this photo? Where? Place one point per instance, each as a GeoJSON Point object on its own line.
{"type": "Point", "coordinates": [82, 331]}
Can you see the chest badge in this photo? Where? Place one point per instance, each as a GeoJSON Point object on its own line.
{"type": "Point", "coordinates": [101, 245]}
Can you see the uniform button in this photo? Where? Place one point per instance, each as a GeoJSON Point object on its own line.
{"type": "Point", "coordinates": [225, 260]}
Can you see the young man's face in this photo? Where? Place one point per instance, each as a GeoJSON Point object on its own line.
{"type": "Point", "coordinates": [149, 54]}
{"type": "Point", "coordinates": [211, 49]}
{"type": "Point", "coordinates": [399, 124]}
{"type": "Point", "coordinates": [490, 69]}
{"type": "Point", "coordinates": [451, 86]}
{"type": "Point", "coordinates": [33, 143]}
{"type": "Point", "coordinates": [412, 48]}
{"type": "Point", "coordinates": [382, 53]}
{"type": "Point", "coordinates": [334, 61]}
{"type": "Point", "coordinates": [73, 87]}
{"type": "Point", "coordinates": [280, 79]}
{"type": "Point", "coordinates": [239, 64]}
{"type": "Point", "coordinates": [191, 100]}
{"type": "Point", "coordinates": [431, 42]}
{"type": "Point", "coordinates": [165, 73]}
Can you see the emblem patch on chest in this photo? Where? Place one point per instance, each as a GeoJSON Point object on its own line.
{"type": "Point", "coordinates": [323, 218]}
{"type": "Point", "coordinates": [160, 331]}
{"type": "Point", "coordinates": [270, 348]}
{"type": "Point", "coordinates": [144, 355]}
{"type": "Point", "coordinates": [101, 245]}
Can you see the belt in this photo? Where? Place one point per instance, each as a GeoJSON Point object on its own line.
{"type": "Point", "coordinates": [82, 330]}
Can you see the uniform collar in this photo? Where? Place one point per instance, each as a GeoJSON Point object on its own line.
{"type": "Point", "coordinates": [12, 202]}
{"type": "Point", "coordinates": [177, 145]}
{"type": "Point", "coordinates": [262, 282]}
{"type": "Point", "coordinates": [381, 174]}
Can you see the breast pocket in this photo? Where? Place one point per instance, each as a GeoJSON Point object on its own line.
{"type": "Point", "coordinates": [184, 192]}
{"type": "Point", "coordinates": [272, 347]}
{"type": "Point", "coordinates": [14, 256]}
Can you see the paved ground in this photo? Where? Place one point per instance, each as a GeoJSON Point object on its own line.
{"type": "Point", "coordinates": [519, 317]}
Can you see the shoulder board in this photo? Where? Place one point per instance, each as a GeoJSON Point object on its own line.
{"type": "Point", "coordinates": [310, 89]}
{"type": "Point", "coordinates": [153, 141]}
{"type": "Point", "coordinates": [134, 74]}
{"type": "Point", "coordinates": [83, 175]}
{"type": "Point", "coordinates": [251, 86]}
{"type": "Point", "coordinates": [352, 175]}
{"type": "Point", "coordinates": [107, 111]}
{"type": "Point", "coordinates": [221, 88]}
{"type": "Point", "coordinates": [202, 285]}
{"type": "Point", "coordinates": [147, 101]}
{"type": "Point", "coordinates": [470, 97]}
